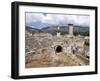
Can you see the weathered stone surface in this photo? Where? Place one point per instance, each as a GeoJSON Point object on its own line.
{"type": "Point", "coordinates": [41, 50]}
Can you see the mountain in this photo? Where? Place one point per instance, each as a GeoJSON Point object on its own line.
{"type": "Point", "coordinates": [35, 30]}
{"type": "Point", "coordinates": [81, 29]}
{"type": "Point", "coordinates": [63, 29]}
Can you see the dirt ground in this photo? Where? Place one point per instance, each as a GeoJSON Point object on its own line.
{"type": "Point", "coordinates": [57, 60]}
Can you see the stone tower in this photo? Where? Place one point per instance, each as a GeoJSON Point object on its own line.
{"type": "Point", "coordinates": [71, 27]}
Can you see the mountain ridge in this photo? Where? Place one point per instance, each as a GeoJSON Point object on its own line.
{"type": "Point", "coordinates": [53, 29]}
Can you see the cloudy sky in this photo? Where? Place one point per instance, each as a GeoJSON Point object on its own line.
{"type": "Point", "coordinates": [40, 20]}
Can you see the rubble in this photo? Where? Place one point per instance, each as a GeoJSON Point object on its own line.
{"type": "Point", "coordinates": [44, 49]}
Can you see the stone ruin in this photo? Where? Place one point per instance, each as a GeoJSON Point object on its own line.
{"type": "Point", "coordinates": [41, 45]}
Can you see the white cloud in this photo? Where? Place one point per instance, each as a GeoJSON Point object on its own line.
{"type": "Point", "coordinates": [56, 19]}
{"type": "Point", "coordinates": [31, 17]}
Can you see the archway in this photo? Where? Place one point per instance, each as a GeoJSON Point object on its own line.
{"type": "Point", "coordinates": [58, 49]}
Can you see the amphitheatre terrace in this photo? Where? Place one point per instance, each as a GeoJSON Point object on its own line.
{"type": "Point", "coordinates": [47, 50]}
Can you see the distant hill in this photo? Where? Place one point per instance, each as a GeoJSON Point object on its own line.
{"type": "Point", "coordinates": [53, 30]}
{"type": "Point", "coordinates": [81, 29]}
{"type": "Point", "coordinates": [35, 30]}
{"type": "Point", "coordinates": [63, 29]}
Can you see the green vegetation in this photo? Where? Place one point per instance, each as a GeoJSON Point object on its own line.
{"type": "Point", "coordinates": [64, 33]}
{"type": "Point", "coordinates": [86, 33]}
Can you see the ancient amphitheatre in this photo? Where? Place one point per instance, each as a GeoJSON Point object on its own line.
{"type": "Point", "coordinates": [47, 50]}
